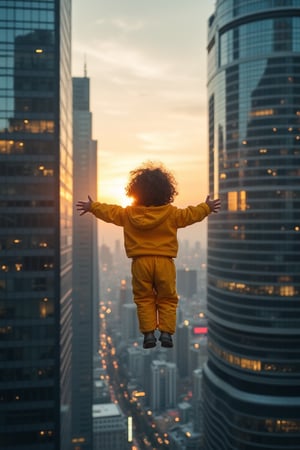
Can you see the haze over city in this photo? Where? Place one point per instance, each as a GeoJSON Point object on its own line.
{"type": "Point", "coordinates": [147, 65]}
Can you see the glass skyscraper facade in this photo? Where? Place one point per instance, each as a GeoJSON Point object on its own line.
{"type": "Point", "coordinates": [252, 377]}
{"type": "Point", "coordinates": [36, 208]}
{"type": "Point", "coordinates": [85, 270]}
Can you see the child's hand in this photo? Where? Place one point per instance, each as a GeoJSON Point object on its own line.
{"type": "Point", "coordinates": [84, 207]}
{"type": "Point", "coordinates": [214, 205]}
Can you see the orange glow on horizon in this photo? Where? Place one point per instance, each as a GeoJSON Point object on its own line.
{"type": "Point", "coordinates": [114, 194]}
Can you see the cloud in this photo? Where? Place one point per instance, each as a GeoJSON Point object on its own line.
{"type": "Point", "coordinates": [123, 24]}
{"type": "Point", "coordinates": [117, 112]}
{"type": "Point", "coordinates": [115, 56]}
{"type": "Point", "coordinates": [190, 110]}
{"type": "Point", "coordinates": [128, 25]}
{"type": "Point", "coordinates": [156, 141]}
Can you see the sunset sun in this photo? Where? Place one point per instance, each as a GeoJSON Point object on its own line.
{"type": "Point", "coordinates": [115, 194]}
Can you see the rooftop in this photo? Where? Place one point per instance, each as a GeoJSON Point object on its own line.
{"type": "Point", "coordinates": [106, 410]}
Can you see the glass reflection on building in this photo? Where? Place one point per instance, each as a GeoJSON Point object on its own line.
{"type": "Point", "coordinates": [251, 381]}
{"type": "Point", "coordinates": [35, 224]}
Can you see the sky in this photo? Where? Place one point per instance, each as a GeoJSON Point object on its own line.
{"type": "Point", "coordinates": [146, 61]}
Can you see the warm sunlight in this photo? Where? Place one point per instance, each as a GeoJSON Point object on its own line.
{"type": "Point", "coordinates": [125, 201]}
{"type": "Point", "coordinates": [115, 194]}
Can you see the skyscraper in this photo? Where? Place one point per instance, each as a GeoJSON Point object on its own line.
{"type": "Point", "coordinates": [85, 269]}
{"type": "Point", "coordinates": [251, 381]}
{"type": "Point", "coordinates": [186, 282]}
{"type": "Point", "coordinates": [35, 224]}
{"type": "Point", "coordinates": [110, 431]}
{"type": "Point", "coordinates": [129, 323]}
{"type": "Point", "coordinates": [164, 385]}
{"type": "Point", "coordinates": [182, 349]}
{"type": "Point", "coordinates": [197, 400]}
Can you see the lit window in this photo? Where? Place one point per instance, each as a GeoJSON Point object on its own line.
{"type": "Point", "coordinates": [43, 310]}
{"type": "Point", "coordinates": [287, 291]}
{"type": "Point", "coordinates": [262, 112]}
{"type": "Point", "coordinates": [232, 201]}
{"type": "Point", "coordinates": [243, 205]}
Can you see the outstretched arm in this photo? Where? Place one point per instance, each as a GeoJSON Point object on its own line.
{"type": "Point", "coordinates": [214, 205]}
{"type": "Point", "coordinates": [84, 207]}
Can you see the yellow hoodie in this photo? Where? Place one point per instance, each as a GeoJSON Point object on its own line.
{"type": "Point", "coordinates": [150, 230]}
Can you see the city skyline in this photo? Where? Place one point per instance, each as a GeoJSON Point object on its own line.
{"type": "Point", "coordinates": [147, 65]}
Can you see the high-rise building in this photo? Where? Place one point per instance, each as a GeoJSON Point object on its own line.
{"type": "Point", "coordinates": [186, 282]}
{"type": "Point", "coordinates": [35, 225]}
{"type": "Point", "coordinates": [125, 297]}
{"type": "Point", "coordinates": [197, 400]}
{"type": "Point", "coordinates": [129, 323]}
{"type": "Point", "coordinates": [164, 385]}
{"type": "Point", "coordinates": [182, 349]}
{"type": "Point", "coordinates": [110, 432]}
{"type": "Point", "coordinates": [85, 269]}
{"type": "Point", "coordinates": [135, 363]}
{"type": "Point", "coordinates": [251, 381]}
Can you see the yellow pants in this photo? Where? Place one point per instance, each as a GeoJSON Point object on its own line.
{"type": "Point", "coordinates": [154, 291]}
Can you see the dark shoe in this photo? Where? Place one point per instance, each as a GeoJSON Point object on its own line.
{"type": "Point", "coordinates": [166, 339]}
{"type": "Point", "coordinates": [149, 340]}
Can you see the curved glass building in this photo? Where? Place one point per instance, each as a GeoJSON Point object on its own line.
{"type": "Point", "coordinates": [252, 377]}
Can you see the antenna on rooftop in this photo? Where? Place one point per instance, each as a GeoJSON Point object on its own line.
{"type": "Point", "coordinates": [84, 67]}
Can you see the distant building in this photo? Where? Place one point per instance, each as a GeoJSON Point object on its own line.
{"type": "Point", "coordinates": [184, 438]}
{"type": "Point", "coordinates": [186, 282]}
{"type": "Point", "coordinates": [101, 392]}
{"type": "Point", "coordinates": [182, 349]}
{"type": "Point", "coordinates": [147, 378]}
{"type": "Point", "coordinates": [125, 298]}
{"type": "Point", "coordinates": [85, 269]}
{"type": "Point", "coordinates": [185, 412]}
{"type": "Point", "coordinates": [197, 400]}
{"type": "Point", "coordinates": [129, 322]}
{"type": "Point", "coordinates": [251, 383]}
{"type": "Point", "coordinates": [36, 208]}
{"type": "Point", "coordinates": [164, 385]}
{"type": "Point", "coordinates": [110, 428]}
{"type": "Point", "coordinates": [198, 349]}
{"type": "Point", "coordinates": [135, 363]}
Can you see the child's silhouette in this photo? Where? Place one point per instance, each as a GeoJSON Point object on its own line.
{"type": "Point", "coordinates": [150, 238]}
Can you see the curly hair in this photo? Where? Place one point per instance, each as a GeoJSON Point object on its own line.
{"type": "Point", "coordinates": [151, 185]}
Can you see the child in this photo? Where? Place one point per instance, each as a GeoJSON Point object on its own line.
{"type": "Point", "coordinates": [150, 238]}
